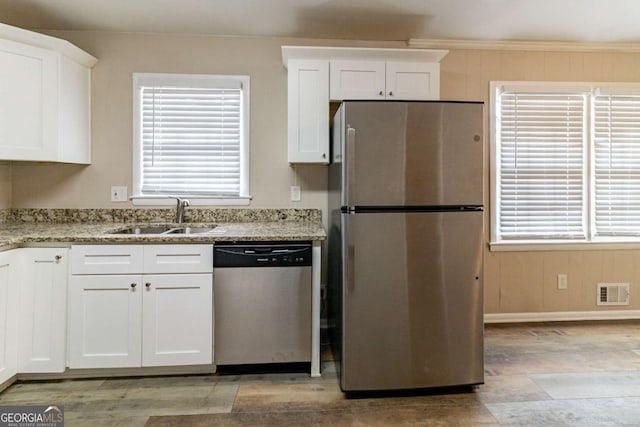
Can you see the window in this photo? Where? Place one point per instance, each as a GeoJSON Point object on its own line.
{"type": "Point", "coordinates": [191, 139]}
{"type": "Point", "coordinates": [565, 162]}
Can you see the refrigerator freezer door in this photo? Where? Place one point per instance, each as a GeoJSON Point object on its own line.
{"type": "Point", "coordinates": [413, 153]}
{"type": "Point", "coordinates": [412, 300]}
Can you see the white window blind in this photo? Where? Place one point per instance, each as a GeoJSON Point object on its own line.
{"type": "Point", "coordinates": [540, 144]}
{"type": "Point", "coordinates": [616, 130]}
{"type": "Point", "coordinates": [191, 141]}
{"type": "Point", "coordinates": [191, 138]}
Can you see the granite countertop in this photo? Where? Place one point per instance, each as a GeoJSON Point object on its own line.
{"type": "Point", "coordinates": [13, 233]}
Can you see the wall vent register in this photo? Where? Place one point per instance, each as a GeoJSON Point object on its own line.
{"type": "Point", "coordinates": [613, 294]}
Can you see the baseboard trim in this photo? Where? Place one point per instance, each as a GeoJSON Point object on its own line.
{"type": "Point", "coordinates": [561, 316]}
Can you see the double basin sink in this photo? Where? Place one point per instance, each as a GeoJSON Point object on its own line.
{"type": "Point", "coordinates": [165, 230]}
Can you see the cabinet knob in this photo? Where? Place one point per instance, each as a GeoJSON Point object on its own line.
{"type": "Point", "coordinates": [58, 257]}
{"type": "Point", "coordinates": [133, 285]}
{"type": "Point", "coordinates": [381, 93]}
{"type": "Point", "coordinates": [148, 285]}
{"type": "Point", "coordinates": [391, 93]}
{"type": "Point", "coordinates": [324, 155]}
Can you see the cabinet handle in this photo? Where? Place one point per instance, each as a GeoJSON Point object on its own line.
{"type": "Point", "coordinates": [133, 285]}
{"type": "Point", "coordinates": [391, 93]}
{"type": "Point", "coordinates": [148, 285]}
{"type": "Point", "coordinates": [381, 93]}
{"type": "Point", "coordinates": [58, 257]}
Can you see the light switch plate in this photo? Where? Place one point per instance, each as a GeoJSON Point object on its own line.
{"type": "Point", "coordinates": [119, 193]}
{"type": "Point", "coordinates": [562, 281]}
{"type": "Point", "coordinates": [295, 193]}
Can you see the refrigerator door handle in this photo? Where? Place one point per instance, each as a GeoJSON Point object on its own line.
{"type": "Point", "coordinates": [348, 255]}
{"type": "Point", "coordinates": [351, 165]}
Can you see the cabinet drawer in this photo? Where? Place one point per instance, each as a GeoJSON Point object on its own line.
{"type": "Point", "coordinates": [178, 259]}
{"type": "Point", "coordinates": [106, 259]}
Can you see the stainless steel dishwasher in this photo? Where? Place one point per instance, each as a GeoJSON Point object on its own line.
{"type": "Point", "coordinates": [262, 302]}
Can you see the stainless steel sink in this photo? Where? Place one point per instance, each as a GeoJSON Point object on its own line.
{"type": "Point", "coordinates": [143, 230]}
{"type": "Point", "coordinates": [164, 230]}
{"type": "Point", "coordinates": [190, 230]}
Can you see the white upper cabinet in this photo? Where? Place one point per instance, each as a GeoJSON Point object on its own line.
{"type": "Point", "coordinates": [45, 98]}
{"type": "Point", "coordinates": [317, 75]}
{"type": "Point", "coordinates": [377, 80]}
{"type": "Point", "coordinates": [357, 80]}
{"type": "Point", "coordinates": [308, 111]}
{"type": "Point", "coordinates": [27, 101]}
{"type": "Point", "coordinates": [417, 81]}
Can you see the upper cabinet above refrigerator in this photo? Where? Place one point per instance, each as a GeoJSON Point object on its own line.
{"type": "Point", "coordinates": [317, 75]}
{"type": "Point", "coordinates": [45, 107]}
{"type": "Point", "coordinates": [378, 80]}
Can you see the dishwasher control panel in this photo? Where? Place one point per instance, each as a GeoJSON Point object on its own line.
{"type": "Point", "coordinates": [262, 254]}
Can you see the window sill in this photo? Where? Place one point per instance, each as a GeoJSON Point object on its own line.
{"type": "Point", "coordinates": [563, 245]}
{"type": "Point", "coordinates": [193, 201]}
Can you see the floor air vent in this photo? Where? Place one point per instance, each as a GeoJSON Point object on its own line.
{"type": "Point", "coordinates": [613, 294]}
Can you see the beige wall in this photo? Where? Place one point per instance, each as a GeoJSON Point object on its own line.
{"type": "Point", "coordinates": [514, 282]}
{"type": "Point", "coordinates": [5, 185]}
{"type": "Point", "coordinates": [120, 55]}
{"type": "Point", "coordinates": [527, 281]}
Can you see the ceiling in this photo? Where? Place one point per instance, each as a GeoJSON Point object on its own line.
{"type": "Point", "coordinates": [537, 20]}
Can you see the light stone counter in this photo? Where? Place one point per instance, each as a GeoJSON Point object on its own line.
{"type": "Point", "coordinates": [12, 233]}
{"type": "Point", "coordinates": [29, 226]}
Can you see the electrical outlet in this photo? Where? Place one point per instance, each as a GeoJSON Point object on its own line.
{"type": "Point", "coordinates": [119, 193]}
{"type": "Point", "coordinates": [295, 193]}
{"type": "Point", "coordinates": [562, 281]}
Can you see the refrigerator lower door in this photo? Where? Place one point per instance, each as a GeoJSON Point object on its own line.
{"type": "Point", "coordinates": [412, 300]}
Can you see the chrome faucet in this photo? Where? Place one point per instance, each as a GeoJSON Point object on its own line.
{"type": "Point", "coordinates": [180, 206]}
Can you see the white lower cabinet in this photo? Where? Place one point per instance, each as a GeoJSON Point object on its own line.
{"type": "Point", "coordinates": [43, 309]}
{"type": "Point", "coordinates": [134, 320]}
{"type": "Point", "coordinates": [105, 321]}
{"type": "Point", "coordinates": [177, 319]}
{"type": "Point", "coordinates": [8, 315]}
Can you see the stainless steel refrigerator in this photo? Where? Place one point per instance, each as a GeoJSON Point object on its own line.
{"type": "Point", "coordinates": [405, 244]}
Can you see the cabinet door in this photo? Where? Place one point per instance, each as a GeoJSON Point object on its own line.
{"type": "Point", "coordinates": [357, 80]}
{"type": "Point", "coordinates": [75, 112]}
{"type": "Point", "coordinates": [177, 319]}
{"type": "Point", "coordinates": [413, 80]}
{"type": "Point", "coordinates": [105, 315]}
{"type": "Point", "coordinates": [28, 102]}
{"type": "Point", "coordinates": [308, 111]}
{"type": "Point", "coordinates": [43, 308]}
{"type": "Point", "coordinates": [9, 270]}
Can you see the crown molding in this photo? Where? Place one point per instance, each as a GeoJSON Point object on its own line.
{"type": "Point", "coordinates": [327, 53]}
{"type": "Point", "coordinates": [523, 45]}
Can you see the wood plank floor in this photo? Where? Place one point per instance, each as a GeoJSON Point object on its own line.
{"type": "Point", "coordinates": [552, 374]}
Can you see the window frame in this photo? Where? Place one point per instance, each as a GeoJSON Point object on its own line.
{"type": "Point", "coordinates": [591, 241]}
{"type": "Point", "coordinates": [141, 80]}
